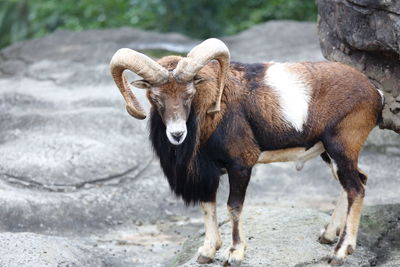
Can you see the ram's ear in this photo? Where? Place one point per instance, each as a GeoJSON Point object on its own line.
{"type": "Point", "coordinates": [141, 84]}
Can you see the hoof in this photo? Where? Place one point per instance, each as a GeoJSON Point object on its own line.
{"type": "Point", "coordinates": [206, 254]}
{"type": "Point", "coordinates": [335, 261]}
{"type": "Point", "coordinates": [235, 255]}
{"type": "Point", "coordinates": [204, 260]}
{"type": "Point", "coordinates": [232, 263]}
{"type": "Point", "coordinates": [323, 240]}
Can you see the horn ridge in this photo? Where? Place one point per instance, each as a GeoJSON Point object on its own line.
{"type": "Point", "coordinates": [142, 65]}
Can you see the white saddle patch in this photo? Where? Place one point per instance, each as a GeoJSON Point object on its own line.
{"type": "Point", "coordinates": [293, 92]}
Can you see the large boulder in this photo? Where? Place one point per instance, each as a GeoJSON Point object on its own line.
{"type": "Point", "coordinates": [365, 34]}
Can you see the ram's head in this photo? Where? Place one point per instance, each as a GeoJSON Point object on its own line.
{"type": "Point", "coordinates": [171, 83]}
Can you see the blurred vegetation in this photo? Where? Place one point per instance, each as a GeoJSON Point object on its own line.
{"type": "Point", "coordinates": [22, 19]}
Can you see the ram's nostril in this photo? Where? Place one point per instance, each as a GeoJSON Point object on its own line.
{"type": "Point", "coordinates": [177, 135]}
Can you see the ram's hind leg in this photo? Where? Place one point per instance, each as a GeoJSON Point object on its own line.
{"type": "Point", "coordinates": [339, 215]}
{"type": "Point", "coordinates": [344, 146]}
{"type": "Point", "coordinates": [212, 240]}
{"type": "Point", "coordinates": [353, 182]}
{"type": "Point", "coordinates": [337, 222]}
{"type": "Point", "coordinates": [348, 236]}
{"type": "Point", "coordinates": [338, 218]}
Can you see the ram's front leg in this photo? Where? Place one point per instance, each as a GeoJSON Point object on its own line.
{"type": "Point", "coordinates": [238, 181]}
{"type": "Point", "coordinates": [212, 240]}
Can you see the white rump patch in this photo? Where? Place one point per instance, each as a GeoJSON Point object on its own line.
{"type": "Point", "coordinates": [293, 92]}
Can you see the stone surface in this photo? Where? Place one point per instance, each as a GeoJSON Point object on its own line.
{"type": "Point", "coordinates": [33, 250]}
{"type": "Point", "coordinates": [365, 34]}
{"type": "Point", "coordinates": [76, 170]}
{"type": "Point", "coordinates": [384, 141]}
{"type": "Point", "coordinates": [288, 237]}
{"type": "Point", "coordinates": [276, 41]}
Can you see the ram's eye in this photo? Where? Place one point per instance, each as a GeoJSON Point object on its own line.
{"type": "Point", "coordinates": [198, 79]}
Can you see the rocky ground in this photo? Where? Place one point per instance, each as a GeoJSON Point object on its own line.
{"type": "Point", "coordinates": [79, 185]}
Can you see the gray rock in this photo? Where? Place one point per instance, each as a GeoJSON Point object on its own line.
{"type": "Point", "coordinates": [71, 158]}
{"type": "Point", "coordinates": [288, 237]}
{"type": "Point", "coordinates": [33, 250]}
{"type": "Point", "coordinates": [384, 141]}
{"type": "Point", "coordinates": [380, 232]}
{"type": "Point", "coordinates": [364, 34]}
{"type": "Point", "coordinates": [276, 41]}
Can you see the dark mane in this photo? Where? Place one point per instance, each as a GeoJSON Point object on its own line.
{"type": "Point", "coordinates": [202, 182]}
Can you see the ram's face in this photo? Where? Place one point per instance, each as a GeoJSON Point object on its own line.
{"type": "Point", "coordinates": [173, 102]}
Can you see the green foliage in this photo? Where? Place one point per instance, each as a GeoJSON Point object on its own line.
{"type": "Point", "coordinates": [21, 19]}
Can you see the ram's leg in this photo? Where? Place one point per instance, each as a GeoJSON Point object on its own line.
{"type": "Point", "coordinates": [238, 181]}
{"type": "Point", "coordinates": [348, 237]}
{"type": "Point", "coordinates": [343, 144]}
{"type": "Point", "coordinates": [353, 184]}
{"type": "Point", "coordinates": [212, 240]}
{"type": "Point", "coordinates": [338, 218]}
{"type": "Point", "coordinates": [337, 222]}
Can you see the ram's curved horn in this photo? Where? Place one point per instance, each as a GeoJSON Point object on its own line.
{"type": "Point", "coordinates": [148, 69]}
{"type": "Point", "coordinates": [197, 58]}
